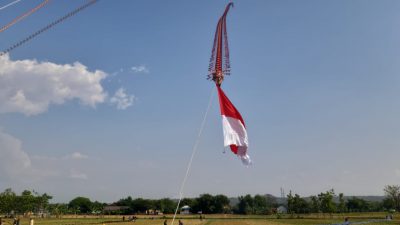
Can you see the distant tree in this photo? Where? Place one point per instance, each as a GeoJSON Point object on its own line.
{"type": "Point", "coordinates": [205, 203]}
{"type": "Point", "coordinates": [80, 205]}
{"type": "Point", "coordinates": [191, 202]}
{"type": "Point", "coordinates": [97, 207]}
{"type": "Point", "coordinates": [7, 201]}
{"type": "Point", "coordinates": [58, 209]}
{"type": "Point", "coordinates": [315, 204]}
{"type": "Point", "coordinates": [165, 205]}
{"type": "Point", "coordinates": [28, 201]}
{"type": "Point", "coordinates": [357, 205]}
{"type": "Point", "coordinates": [41, 201]}
{"type": "Point", "coordinates": [342, 203]}
{"type": "Point", "coordinates": [245, 205]}
{"type": "Point", "coordinates": [25, 202]}
{"type": "Point", "coordinates": [290, 202]}
{"type": "Point", "coordinates": [271, 201]}
{"type": "Point", "coordinates": [260, 204]}
{"type": "Point", "coordinates": [300, 205]}
{"type": "Point", "coordinates": [128, 202]}
{"type": "Point", "coordinates": [376, 206]}
{"type": "Point", "coordinates": [125, 201]}
{"type": "Point", "coordinates": [326, 201]}
{"type": "Point", "coordinates": [297, 204]}
{"type": "Point", "coordinates": [141, 205]}
{"type": "Point", "coordinates": [388, 204]}
{"type": "Point", "coordinates": [392, 193]}
{"type": "Point", "coordinates": [221, 204]}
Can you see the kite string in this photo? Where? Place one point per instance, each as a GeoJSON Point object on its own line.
{"type": "Point", "coordinates": [21, 17]}
{"type": "Point", "coordinates": [10, 4]}
{"type": "Point", "coordinates": [196, 144]}
{"type": "Point", "coordinates": [30, 37]}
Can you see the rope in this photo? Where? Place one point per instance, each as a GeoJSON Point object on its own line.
{"type": "Point", "coordinates": [30, 37]}
{"type": "Point", "coordinates": [9, 4]}
{"type": "Point", "coordinates": [196, 144]}
{"type": "Point", "coordinates": [21, 17]}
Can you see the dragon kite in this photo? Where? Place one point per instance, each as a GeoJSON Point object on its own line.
{"type": "Point", "coordinates": [219, 61]}
{"type": "Point", "coordinates": [234, 128]}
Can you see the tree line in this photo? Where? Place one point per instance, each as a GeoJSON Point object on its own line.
{"type": "Point", "coordinates": [329, 202]}
{"type": "Point", "coordinates": [325, 202]}
{"type": "Point", "coordinates": [27, 201]}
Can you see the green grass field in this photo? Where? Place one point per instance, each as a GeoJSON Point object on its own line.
{"type": "Point", "coordinates": [216, 220]}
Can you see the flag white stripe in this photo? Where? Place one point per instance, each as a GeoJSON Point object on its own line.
{"type": "Point", "coordinates": [235, 134]}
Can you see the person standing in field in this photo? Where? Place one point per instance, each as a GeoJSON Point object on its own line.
{"type": "Point", "coordinates": [165, 222]}
{"type": "Point", "coordinates": [180, 222]}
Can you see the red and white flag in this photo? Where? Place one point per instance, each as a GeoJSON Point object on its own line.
{"type": "Point", "coordinates": [235, 134]}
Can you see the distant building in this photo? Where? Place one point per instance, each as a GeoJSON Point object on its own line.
{"type": "Point", "coordinates": [114, 209]}
{"type": "Point", "coordinates": [153, 212]}
{"type": "Point", "coordinates": [185, 209]}
{"type": "Point", "coordinates": [281, 209]}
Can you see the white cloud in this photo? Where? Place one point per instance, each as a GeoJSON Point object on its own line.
{"type": "Point", "coordinates": [121, 99]}
{"type": "Point", "coordinates": [74, 174]}
{"type": "Point", "coordinates": [13, 160]}
{"type": "Point", "coordinates": [29, 86]}
{"type": "Point", "coordinates": [17, 165]}
{"type": "Point", "coordinates": [44, 157]}
{"type": "Point", "coordinates": [140, 69]}
{"type": "Point", "coordinates": [115, 73]}
{"type": "Point", "coordinates": [76, 155]}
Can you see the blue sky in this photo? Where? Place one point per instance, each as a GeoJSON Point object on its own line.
{"type": "Point", "coordinates": [316, 82]}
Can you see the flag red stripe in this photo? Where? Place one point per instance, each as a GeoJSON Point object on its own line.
{"type": "Point", "coordinates": [227, 108]}
{"type": "Point", "coordinates": [234, 149]}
